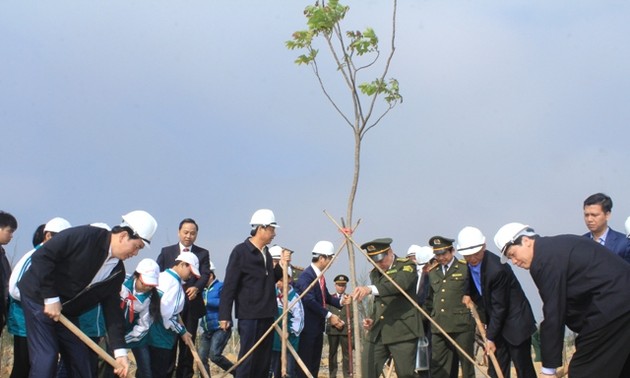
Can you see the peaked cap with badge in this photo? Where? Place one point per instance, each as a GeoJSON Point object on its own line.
{"type": "Point", "coordinates": [341, 279]}
{"type": "Point", "coordinates": [377, 249]}
{"type": "Point", "coordinates": [440, 244]}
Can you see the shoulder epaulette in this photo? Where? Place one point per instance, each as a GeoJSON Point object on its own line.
{"type": "Point", "coordinates": [402, 259]}
{"type": "Point", "coordinates": [462, 261]}
{"type": "Point", "coordinates": [434, 267]}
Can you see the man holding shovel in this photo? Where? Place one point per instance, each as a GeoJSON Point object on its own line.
{"type": "Point", "coordinates": [509, 319]}
{"type": "Point", "coordinates": [71, 273]}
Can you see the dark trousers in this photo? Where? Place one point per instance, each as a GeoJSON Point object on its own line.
{"type": "Point", "coordinates": [334, 342]}
{"type": "Point", "coordinates": [604, 352]}
{"type": "Point", "coordinates": [257, 364]}
{"type": "Point", "coordinates": [445, 358]}
{"type": "Point", "coordinates": [310, 352]}
{"type": "Point", "coordinates": [21, 366]}
{"type": "Point", "coordinates": [185, 357]}
{"type": "Point", "coordinates": [46, 339]}
{"type": "Point", "coordinates": [520, 355]}
{"type": "Point", "coordinates": [162, 362]}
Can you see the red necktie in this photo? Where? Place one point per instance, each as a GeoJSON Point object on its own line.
{"type": "Point", "coordinates": [322, 286]}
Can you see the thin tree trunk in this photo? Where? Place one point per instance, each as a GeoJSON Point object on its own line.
{"type": "Point", "coordinates": [353, 275]}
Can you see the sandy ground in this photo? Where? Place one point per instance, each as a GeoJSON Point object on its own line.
{"type": "Point", "coordinates": [6, 360]}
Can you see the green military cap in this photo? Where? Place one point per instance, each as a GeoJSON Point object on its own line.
{"type": "Point", "coordinates": [341, 279]}
{"type": "Point", "coordinates": [377, 248]}
{"type": "Point", "coordinates": [440, 244]}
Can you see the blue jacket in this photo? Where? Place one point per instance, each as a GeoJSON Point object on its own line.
{"type": "Point", "coordinates": [616, 242]}
{"type": "Point", "coordinates": [211, 296]}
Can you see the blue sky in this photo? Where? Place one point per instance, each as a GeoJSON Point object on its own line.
{"type": "Point", "coordinates": [513, 111]}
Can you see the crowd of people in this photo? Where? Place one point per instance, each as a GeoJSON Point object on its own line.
{"type": "Point", "coordinates": [420, 319]}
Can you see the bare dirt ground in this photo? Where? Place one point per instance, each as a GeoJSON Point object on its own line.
{"type": "Point", "coordinates": [6, 359]}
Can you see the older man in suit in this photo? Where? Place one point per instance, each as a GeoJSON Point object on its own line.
{"type": "Point", "coordinates": [582, 287]}
{"type": "Point", "coordinates": [597, 211]}
{"type": "Point", "coordinates": [315, 312]}
{"type": "Point", "coordinates": [496, 291]}
{"type": "Point", "coordinates": [193, 306]}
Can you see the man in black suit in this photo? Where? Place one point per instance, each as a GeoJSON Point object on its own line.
{"type": "Point", "coordinates": [315, 311]}
{"type": "Point", "coordinates": [250, 286]}
{"type": "Point", "coordinates": [497, 293]}
{"type": "Point", "coordinates": [583, 287]}
{"type": "Point", "coordinates": [194, 307]}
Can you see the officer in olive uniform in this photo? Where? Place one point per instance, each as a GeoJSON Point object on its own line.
{"type": "Point", "coordinates": [444, 304]}
{"type": "Point", "coordinates": [339, 337]}
{"type": "Point", "coordinates": [394, 325]}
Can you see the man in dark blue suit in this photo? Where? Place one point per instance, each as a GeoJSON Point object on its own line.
{"type": "Point", "coordinates": [194, 307]}
{"type": "Point", "coordinates": [315, 311]}
{"type": "Point", "coordinates": [508, 316]}
{"type": "Point", "coordinates": [597, 210]}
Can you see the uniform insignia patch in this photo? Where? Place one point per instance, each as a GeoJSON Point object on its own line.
{"type": "Point", "coordinates": [456, 274]}
{"type": "Point", "coordinates": [392, 271]}
{"type": "Point", "coordinates": [407, 268]}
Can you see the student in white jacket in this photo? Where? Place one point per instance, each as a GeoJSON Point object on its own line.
{"type": "Point", "coordinates": [163, 335]}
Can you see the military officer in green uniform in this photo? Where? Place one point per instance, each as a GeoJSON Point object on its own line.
{"type": "Point", "coordinates": [339, 337]}
{"type": "Point", "coordinates": [394, 325]}
{"type": "Point", "coordinates": [444, 304]}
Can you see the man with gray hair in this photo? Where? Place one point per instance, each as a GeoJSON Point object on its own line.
{"type": "Point", "coordinates": [583, 287]}
{"type": "Point", "coordinates": [509, 319]}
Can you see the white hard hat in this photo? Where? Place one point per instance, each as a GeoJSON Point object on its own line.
{"type": "Point", "coordinates": [628, 227]}
{"type": "Point", "coordinates": [190, 258]}
{"type": "Point", "coordinates": [470, 240]}
{"type": "Point", "coordinates": [102, 225]}
{"type": "Point", "coordinates": [275, 252]}
{"type": "Point", "coordinates": [413, 250]}
{"type": "Point", "coordinates": [324, 247]}
{"type": "Point", "coordinates": [263, 217]}
{"type": "Point", "coordinates": [508, 234]}
{"type": "Point", "coordinates": [149, 272]}
{"type": "Point", "coordinates": [424, 255]}
{"type": "Point", "coordinates": [57, 224]}
{"type": "Point", "coordinates": [212, 267]}
{"type": "Point", "coordinates": [142, 223]}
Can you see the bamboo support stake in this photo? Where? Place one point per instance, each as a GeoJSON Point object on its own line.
{"type": "Point", "coordinates": [294, 354]}
{"type": "Point", "coordinates": [285, 320]}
